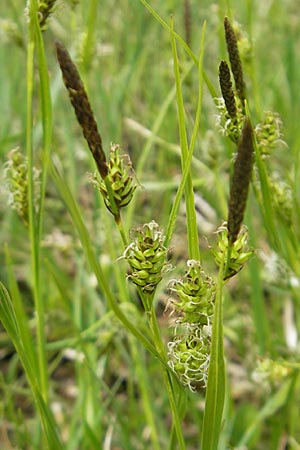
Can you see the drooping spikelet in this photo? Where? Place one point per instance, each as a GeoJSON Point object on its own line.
{"type": "Point", "coordinates": [240, 182]}
{"type": "Point", "coordinates": [235, 60]}
{"type": "Point", "coordinates": [82, 107]}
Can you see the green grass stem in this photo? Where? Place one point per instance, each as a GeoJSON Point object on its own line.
{"type": "Point", "coordinates": [192, 230]}
{"type": "Point", "coordinates": [187, 165]}
{"type": "Point", "coordinates": [215, 391]}
{"type": "Point", "coordinates": [33, 220]}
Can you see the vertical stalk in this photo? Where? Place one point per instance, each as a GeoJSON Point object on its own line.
{"type": "Point", "coordinates": [215, 391]}
{"type": "Point", "coordinates": [156, 336]}
{"type": "Point", "coordinates": [192, 230]}
{"type": "Point", "coordinates": [33, 223]}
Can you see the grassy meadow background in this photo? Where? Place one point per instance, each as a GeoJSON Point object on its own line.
{"type": "Point", "coordinates": [103, 388]}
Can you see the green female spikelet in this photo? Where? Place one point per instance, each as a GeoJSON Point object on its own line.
{"type": "Point", "coordinates": [238, 255]}
{"type": "Point", "coordinates": [16, 175]}
{"type": "Point", "coordinates": [121, 179]}
{"type": "Point", "coordinates": [189, 357]}
{"type": "Point", "coordinates": [196, 295]}
{"type": "Point", "coordinates": [189, 351]}
{"type": "Point", "coordinates": [147, 257]}
{"type": "Point", "coordinates": [268, 134]}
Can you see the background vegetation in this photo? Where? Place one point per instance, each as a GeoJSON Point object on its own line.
{"type": "Point", "coordinates": [103, 388]}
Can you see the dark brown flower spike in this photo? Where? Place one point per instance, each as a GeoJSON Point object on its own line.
{"type": "Point", "coordinates": [235, 60]}
{"type": "Point", "coordinates": [226, 89]}
{"type": "Point", "coordinates": [82, 107]}
{"type": "Point", "coordinates": [240, 182]}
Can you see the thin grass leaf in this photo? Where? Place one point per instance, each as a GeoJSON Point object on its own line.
{"type": "Point", "coordinates": [34, 221]}
{"type": "Point", "coordinates": [186, 171]}
{"type": "Point", "coordinates": [260, 317]}
{"type": "Point", "coordinates": [19, 313]}
{"type": "Point", "coordinates": [215, 391]}
{"type": "Point", "coordinates": [13, 325]}
{"type": "Point", "coordinates": [192, 229]}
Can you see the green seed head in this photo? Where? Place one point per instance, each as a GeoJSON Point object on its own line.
{"type": "Point", "coordinates": [239, 253]}
{"type": "Point", "coordinates": [147, 257]}
{"type": "Point", "coordinates": [195, 296]}
{"type": "Point", "coordinates": [282, 200]}
{"type": "Point", "coordinates": [121, 179]}
{"type": "Point", "coordinates": [189, 357]}
{"type": "Point", "coordinates": [269, 134]}
{"type": "Point", "coordinates": [271, 374]}
{"type": "Point", "coordinates": [16, 176]}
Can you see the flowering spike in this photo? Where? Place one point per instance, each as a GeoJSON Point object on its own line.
{"type": "Point", "coordinates": [82, 107]}
{"type": "Point", "coordinates": [240, 181]}
{"type": "Point", "coordinates": [235, 61]}
{"type": "Point", "coordinates": [226, 89]}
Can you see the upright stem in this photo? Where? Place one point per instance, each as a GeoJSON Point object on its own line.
{"type": "Point", "coordinates": [167, 378]}
{"type": "Point", "coordinates": [33, 225]}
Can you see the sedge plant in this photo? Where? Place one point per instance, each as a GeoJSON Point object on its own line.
{"type": "Point", "coordinates": [115, 310]}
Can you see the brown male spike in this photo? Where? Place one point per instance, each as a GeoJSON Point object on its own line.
{"type": "Point", "coordinates": [235, 60]}
{"type": "Point", "coordinates": [226, 89]}
{"type": "Point", "coordinates": [240, 182]}
{"type": "Point", "coordinates": [82, 107]}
